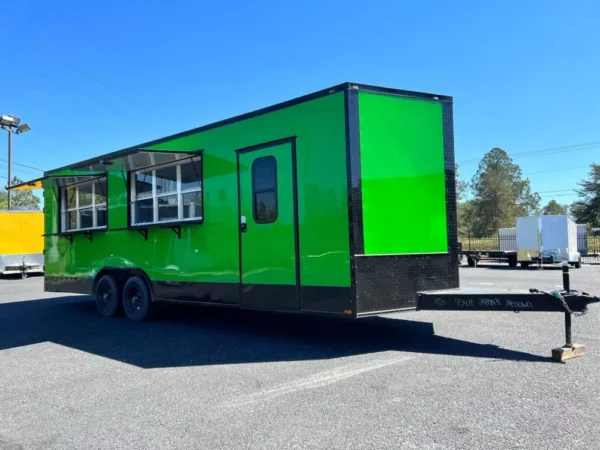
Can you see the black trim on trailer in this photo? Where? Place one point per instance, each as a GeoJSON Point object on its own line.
{"type": "Point", "coordinates": [296, 101]}
{"type": "Point", "coordinates": [226, 294]}
{"type": "Point", "coordinates": [330, 300]}
{"type": "Point", "coordinates": [299, 300]}
{"type": "Point", "coordinates": [239, 227]}
{"type": "Point", "coordinates": [283, 297]}
{"type": "Point", "coordinates": [451, 210]}
{"type": "Point", "coordinates": [197, 292]}
{"type": "Point", "coordinates": [391, 282]}
{"type": "Point", "coordinates": [353, 173]}
{"type": "Point", "coordinates": [291, 140]}
{"type": "Point", "coordinates": [74, 285]}
{"type": "Point", "coordinates": [350, 198]}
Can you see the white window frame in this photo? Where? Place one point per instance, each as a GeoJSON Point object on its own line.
{"type": "Point", "coordinates": [155, 196]}
{"type": "Point", "coordinates": [65, 210]}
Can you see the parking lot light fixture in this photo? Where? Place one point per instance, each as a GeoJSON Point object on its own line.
{"type": "Point", "coordinates": [11, 125]}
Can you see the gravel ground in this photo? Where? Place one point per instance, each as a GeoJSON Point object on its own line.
{"type": "Point", "coordinates": [219, 379]}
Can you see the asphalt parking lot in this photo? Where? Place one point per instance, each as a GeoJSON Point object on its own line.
{"type": "Point", "coordinates": [219, 379]}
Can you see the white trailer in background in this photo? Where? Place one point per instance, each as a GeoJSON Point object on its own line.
{"type": "Point", "coordinates": [507, 238]}
{"type": "Point", "coordinates": [547, 239]}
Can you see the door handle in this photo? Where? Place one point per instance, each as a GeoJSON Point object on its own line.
{"type": "Point", "coordinates": [243, 225]}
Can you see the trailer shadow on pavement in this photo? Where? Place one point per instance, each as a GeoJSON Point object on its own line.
{"type": "Point", "coordinates": [194, 336]}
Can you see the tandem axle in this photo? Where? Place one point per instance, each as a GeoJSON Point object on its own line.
{"type": "Point", "coordinates": [566, 300]}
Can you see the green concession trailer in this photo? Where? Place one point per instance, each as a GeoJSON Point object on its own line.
{"type": "Point", "coordinates": [340, 202]}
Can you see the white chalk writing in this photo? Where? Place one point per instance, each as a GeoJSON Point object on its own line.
{"type": "Point", "coordinates": [440, 302]}
{"type": "Point", "coordinates": [490, 302]}
{"type": "Point", "coordinates": [519, 305]}
{"type": "Point", "coordinates": [464, 302]}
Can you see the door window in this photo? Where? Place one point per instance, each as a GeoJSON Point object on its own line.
{"type": "Point", "coordinates": [264, 189]}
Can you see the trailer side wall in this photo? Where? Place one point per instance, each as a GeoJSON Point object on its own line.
{"type": "Point", "coordinates": [206, 257]}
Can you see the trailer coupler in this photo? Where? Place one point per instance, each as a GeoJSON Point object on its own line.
{"type": "Point", "coordinates": [570, 302]}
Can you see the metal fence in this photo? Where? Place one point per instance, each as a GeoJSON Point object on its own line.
{"type": "Point", "coordinates": [472, 243]}
{"type": "Point", "coordinates": [587, 244]}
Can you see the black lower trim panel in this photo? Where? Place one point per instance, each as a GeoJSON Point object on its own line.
{"type": "Point", "coordinates": [315, 299]}
{"type": "Point", "coordinates": [270, 296]}
{"type": "Point", "coordinates": [69, 284]}
{"type": "Point", "coordinates": [228, 293]}
{"type": "Point", "coordinates": [391, 282]}
{"type": "Point", "coordinates": [327, 299]}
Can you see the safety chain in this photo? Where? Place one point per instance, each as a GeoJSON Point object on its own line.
{"type": "Point", "coordinates": [559, 296]}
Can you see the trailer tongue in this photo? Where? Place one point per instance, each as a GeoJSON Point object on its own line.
{"type": "Point", "coordinates": [566, 300]}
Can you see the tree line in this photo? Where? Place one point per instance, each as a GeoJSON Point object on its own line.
{"type": "Point", "coordinates": [498, 193]}
{"type": "Point", "coordinates": [19, 200]}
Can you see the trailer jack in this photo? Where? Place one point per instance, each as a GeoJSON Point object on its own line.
{"type": "Point", "coordinates": [568, 301]}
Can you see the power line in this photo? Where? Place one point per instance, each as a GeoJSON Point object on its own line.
{"type": "Point", "coordinates": [98, 80]}
{"type": "Point", "coordinates": [23, 165]}
{"type": "Point", "coordinates": [557, 151]}
{"type": "Point", "coordinates": [547, 151]}
{"type": "Point", "coordinates": [559, 190]}
{"type": "Point", "coordinates": [564, 147]}
{"type": "Point", "coordinates": [66, 86]}
{"type": "Point", "coordinates": [558, 195]}
{"type": "Point", "coordinates": [555, 170]}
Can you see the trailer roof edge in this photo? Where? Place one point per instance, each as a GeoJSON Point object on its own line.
{"type": "Point", "coordinates": [285, 104]}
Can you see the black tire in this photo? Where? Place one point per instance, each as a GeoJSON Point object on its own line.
{"type": "Point", "coordinates": [524, 265]}
{"type": "Point", "coordinates": [108, 298]}
{"type": "Point", "coordinates": [512, 260]}
{"type": "Point", "coordinates": [470, 261]}
{"type": "Point", "coordinates": [577, 264]}
{"type": "Point", "coordinates": [137, 301]}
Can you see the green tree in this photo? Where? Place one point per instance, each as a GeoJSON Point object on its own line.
{"type": "Point", "coordinates": [586, 209]}
{"type": "Point", "coordinates": [500, 194]}
{"type": "Point", "coordinates": [463, 206]}
{"type": "Point", "coordinates": [553, 208]}
{"type": "Point", "coordinates": [461, 186]}
{"type": "Point", "coordinates": [19, 199]}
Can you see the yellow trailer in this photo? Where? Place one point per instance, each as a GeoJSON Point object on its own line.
{"type": "Point", "coordinates": [21, 242]}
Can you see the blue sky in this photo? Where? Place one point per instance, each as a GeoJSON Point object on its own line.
{"type": "Point", "coordinates": [94, 77]}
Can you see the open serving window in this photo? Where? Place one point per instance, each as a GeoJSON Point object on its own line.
{"type": "Point", "coordinates": [82, 200]}
{"type": "Point", "coordinates": [165, 189]}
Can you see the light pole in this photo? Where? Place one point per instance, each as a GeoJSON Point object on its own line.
{"type": "Point", "coordinates": [11, 125]}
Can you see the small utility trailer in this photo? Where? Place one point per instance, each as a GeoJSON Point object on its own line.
{"type": "Point", "coordinates": [536, 240]}
{"type": "Point", "coordinates": [499, 256]}
{"type": "Point", "coordinates": [341, 202]}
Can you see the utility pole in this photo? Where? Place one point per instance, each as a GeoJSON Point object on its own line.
{"type": "Point", "coordinates": [11, 125]}
{"type": "Point", "coordinates": [9, 168]}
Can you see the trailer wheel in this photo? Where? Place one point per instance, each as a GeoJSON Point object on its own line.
{"type": "Point", "coordinates": [512, 260]}
{"type": "Point", "coordinates": [577, 264]}
{"type": "Point", "coordinates": [136, 299]}
{"type": "Point", "coordinates": [524, 265]}
{"type": "Point", "coordinates": [108, 300]}
{"type": "Point", "coordinates": [471, 261]}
